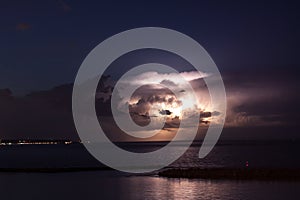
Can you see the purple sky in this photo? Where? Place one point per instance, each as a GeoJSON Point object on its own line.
{"type": "Point", "coordinates": [254, 44]}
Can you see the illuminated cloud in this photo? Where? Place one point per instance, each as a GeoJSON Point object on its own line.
{"type": "Point", "coordinates": [171, 79]}
{"type": "Point", "coordinates": [155, 101]}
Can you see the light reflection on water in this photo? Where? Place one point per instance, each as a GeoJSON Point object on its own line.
{"type": "Point", "coordinates": [163, 188]}
{"type": "Point", "coordinates": [111, 185]}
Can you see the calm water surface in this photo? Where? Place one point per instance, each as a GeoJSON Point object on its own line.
{"type": "Point", "coordinates": [109, 185]}
{"type": "Point", "coordinates": [113, 185]}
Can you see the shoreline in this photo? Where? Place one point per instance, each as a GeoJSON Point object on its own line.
{"type": "Point", "coordinates": [189, 173]}
{"type": "Point", "coordinates": [53, 170]}
{"type": "Point", "coordinates": [233, 174]}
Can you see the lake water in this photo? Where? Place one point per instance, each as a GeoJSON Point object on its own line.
{"type": "Point", "coordinates": [109, 184]}
{"type": "Point", "coordinates": [258, 154]}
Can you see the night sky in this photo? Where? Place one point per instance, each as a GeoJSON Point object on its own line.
{"type": "Point", "coordinates": [254, 44]}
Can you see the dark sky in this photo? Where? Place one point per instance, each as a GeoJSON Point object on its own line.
{"type": "Point", "coordinates": [255, 45]}
{"type": "Point", "coordinates": [44, 42]}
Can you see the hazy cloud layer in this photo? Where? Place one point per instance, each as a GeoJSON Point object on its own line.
{"type": "Point", "coordinates": [252, 102]}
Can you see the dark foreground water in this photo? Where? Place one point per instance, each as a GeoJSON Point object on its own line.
{"type": "Point", "coordinates": [109, 184]}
